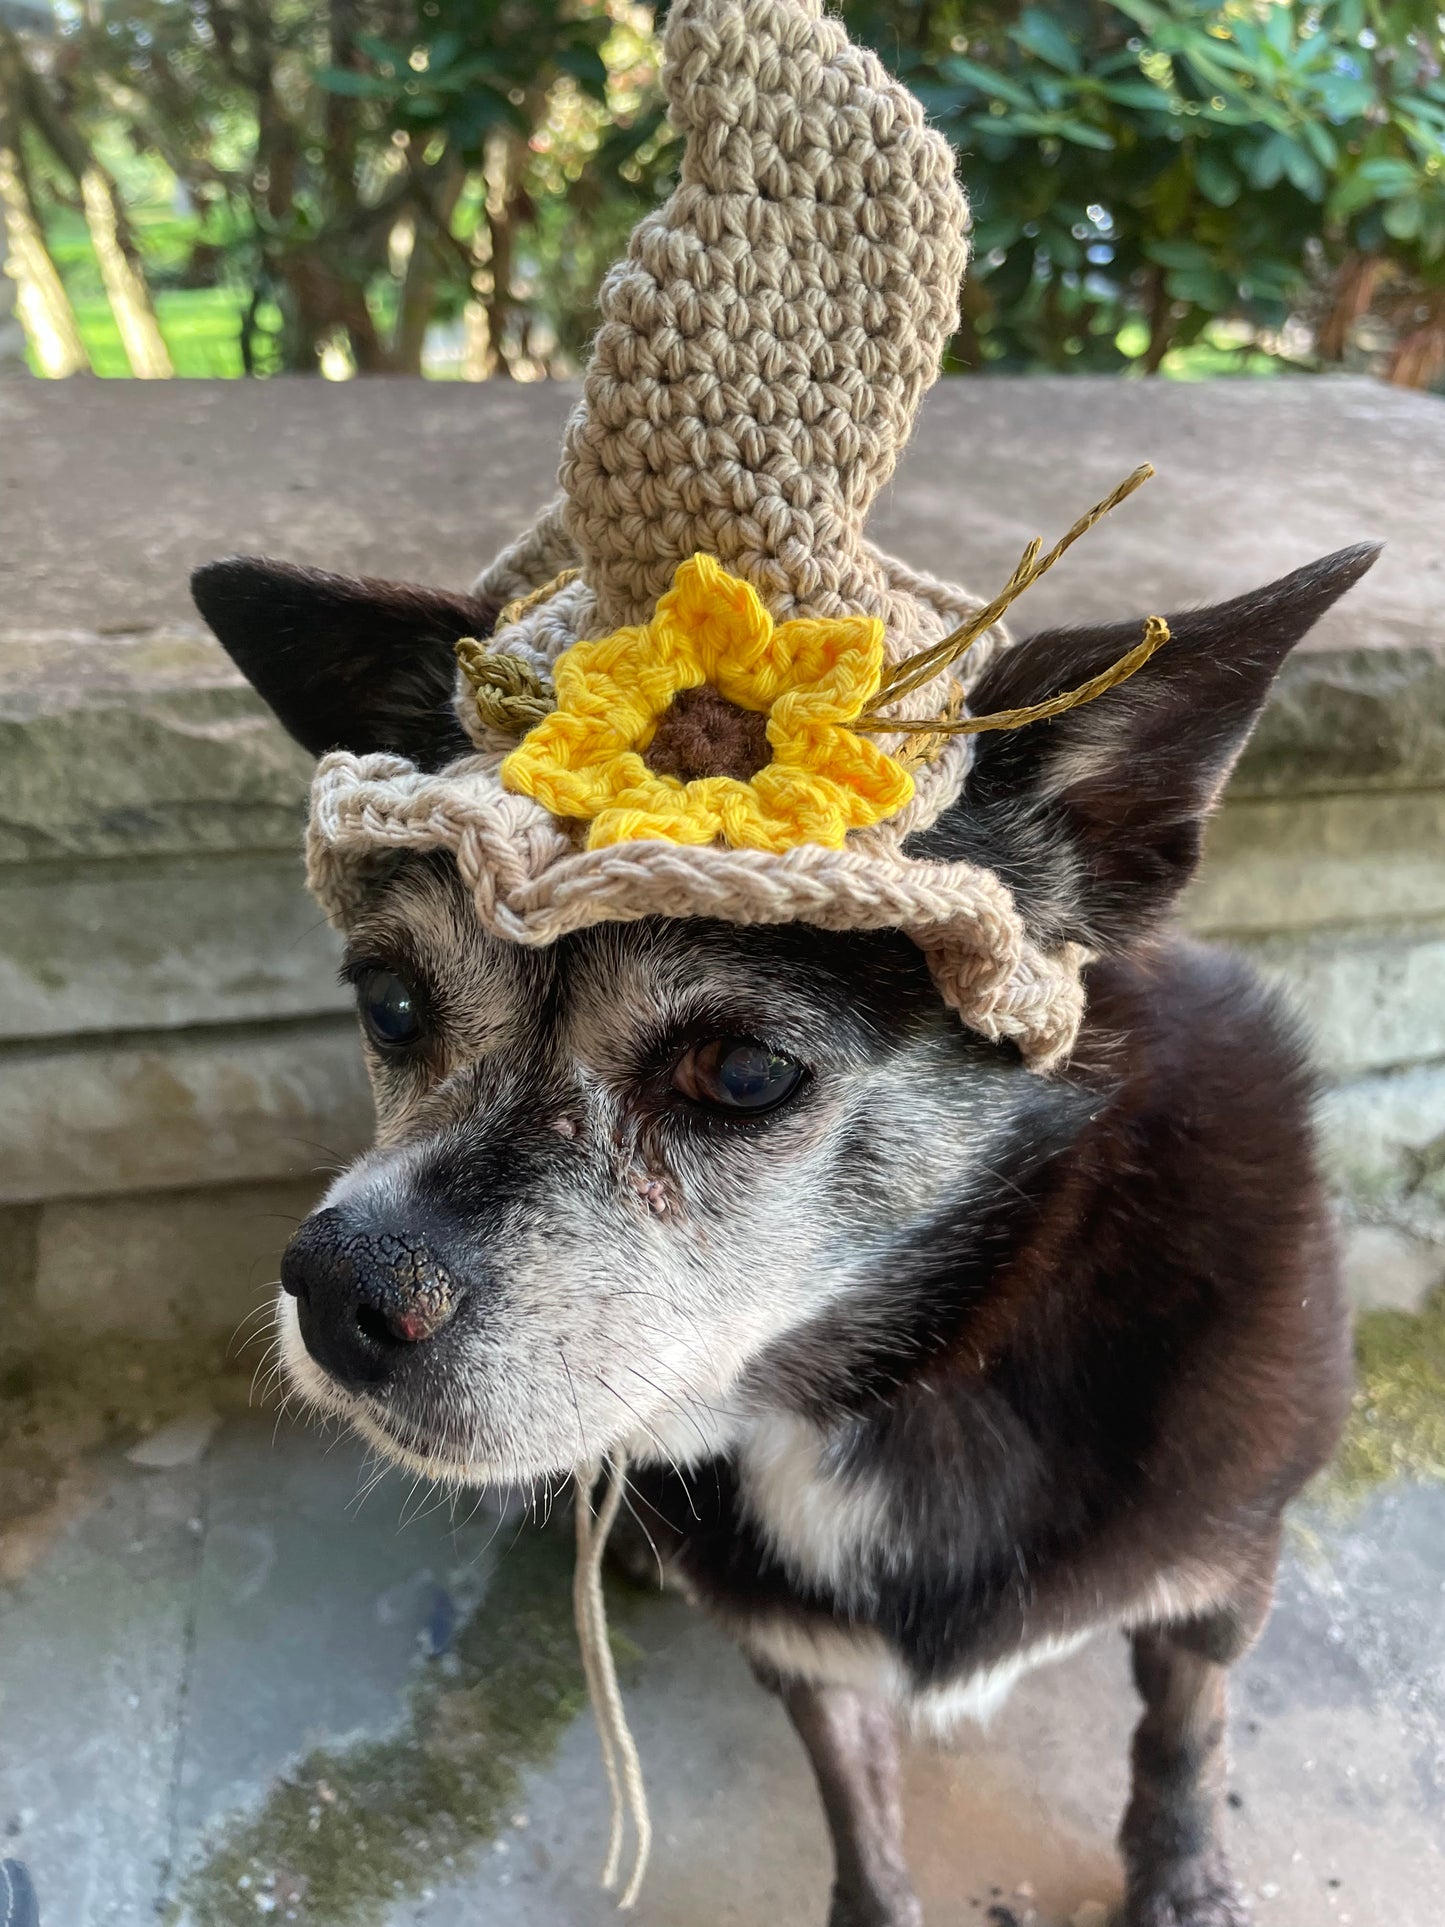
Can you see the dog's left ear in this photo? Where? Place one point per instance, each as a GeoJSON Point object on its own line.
{"type": "Point", "coordinates": [345, 663]}
{"type": "Point", "coordinates": [1095, 820]}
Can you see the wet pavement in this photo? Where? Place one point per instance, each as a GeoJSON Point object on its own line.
{"type": "Point", "coordinates": [238, 1684]}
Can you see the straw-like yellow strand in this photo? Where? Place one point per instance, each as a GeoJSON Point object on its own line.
{"type": "Point", "coordinates": [914, 671]}
{"type": "Point", "coordinates": [1156, 634]}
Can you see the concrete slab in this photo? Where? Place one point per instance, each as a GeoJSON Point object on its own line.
{"type": "Point", "coordinates": [206, 1648]}
{"type": "Point", "coordinates": [163, 1266]}
{"type": "Point", "coordinates": [94, 1647]}
{"type": "Point", "coordinates": [162, 945]}
{"type": "Point", "coordinates": [297, 1565]}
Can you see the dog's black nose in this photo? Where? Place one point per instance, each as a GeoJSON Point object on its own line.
{"type": "Point", "coordinates": [366, 1298]}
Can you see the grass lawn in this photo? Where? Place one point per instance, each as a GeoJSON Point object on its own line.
{"type": "Point", "coordinates": [201, 327]}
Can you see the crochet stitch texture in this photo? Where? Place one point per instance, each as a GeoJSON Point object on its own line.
{"type": "Point", "coordinates": [769, 336]}
{"type": "Point", "coordinates": [763, 351]}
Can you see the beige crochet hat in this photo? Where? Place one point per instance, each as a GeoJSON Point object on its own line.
{"type": "Point", "coordinates": [692, 705]}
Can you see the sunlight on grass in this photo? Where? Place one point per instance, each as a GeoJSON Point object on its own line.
{"type": "Point", "coordinates": [201, 327]}
{"type": "Point", "coordinates": [1222, 350]}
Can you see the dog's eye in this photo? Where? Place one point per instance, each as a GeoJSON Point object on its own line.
{"type": "Point", "coordinates": [389, 1008]}
{"type": "Point", "coordinates": [735, 1074]}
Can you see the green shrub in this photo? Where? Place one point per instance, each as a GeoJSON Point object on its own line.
{"type": "Point", "coordinates": [1144, 171]}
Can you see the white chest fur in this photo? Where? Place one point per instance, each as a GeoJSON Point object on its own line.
{"type": "Point", "coordinates": [829, 1529]}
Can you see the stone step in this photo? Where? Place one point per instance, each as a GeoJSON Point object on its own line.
{"type": "Point", "coordinates": [223, 1105]}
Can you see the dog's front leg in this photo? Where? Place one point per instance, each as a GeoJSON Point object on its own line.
{"type": "Point", "coordinates": [854, 1750]}
{"type": "Point", "coordinates": [1174, 1859]}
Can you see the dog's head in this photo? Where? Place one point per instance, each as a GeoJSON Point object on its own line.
{"type": "Point", "coordinates": [630, 1187]}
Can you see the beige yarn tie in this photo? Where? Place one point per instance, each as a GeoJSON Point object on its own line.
{"type": "Point", "coordinates": [619, 1749]}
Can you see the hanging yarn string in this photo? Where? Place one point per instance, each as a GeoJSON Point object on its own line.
{"type": "Point", "coordinates": [619, 1750]}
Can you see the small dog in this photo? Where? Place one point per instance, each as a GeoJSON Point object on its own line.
{"type": "Point", "coordinates": [927, 1367]}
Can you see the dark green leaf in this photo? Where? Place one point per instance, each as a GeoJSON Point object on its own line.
{"type": "Point", "coordinates": [1304, 171]}
{"type": "Point", "coordinates": [586, 67]}
{"type": "Point", "coordinates": [1217, 180]}
{"type": "Point", "coordinates": [443, 52]}
{"type": "Point", "coordinates": [1178, 254]}
{"type": "Point", "coordinates": [1389, 176]}
{"type": "Point", "coordinates": [1265, 166]}
{"type": "Point", "coordinates": [345, 80]}
{"type": "Point", "coordinates": [1142, 94]}
{"type": "Point", "coordinates": [1042, 34]}
{"type": "Point", "coordinates": [1083, 135]}
{"type": "Point", "coordinates": [998, 86]}
{"type": "Point", "coordinates": [1403, 219]}
{"type": "Point", "coordinates": [1207, 287]}
{"type": "Point", "coordinates": [386, 53]}
{"type": "Point", "coordinates": [1322, 143]}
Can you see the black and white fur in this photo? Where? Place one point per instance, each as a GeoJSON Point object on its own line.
{"type": "Point", "coordinates": [938, 1367]}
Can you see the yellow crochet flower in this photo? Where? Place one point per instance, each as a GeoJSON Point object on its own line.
{"type": "Point", "coordinates": [810, 677]}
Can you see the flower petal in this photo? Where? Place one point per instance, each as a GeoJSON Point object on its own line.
{"type": "Point", "coordinates": [811, 675]}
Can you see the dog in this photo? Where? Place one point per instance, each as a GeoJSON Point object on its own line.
{"type": "Point", "coordinates": [927, 1367]}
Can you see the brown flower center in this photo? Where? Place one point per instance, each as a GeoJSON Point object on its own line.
{"type": "Point", "coordinates": [702, 734]}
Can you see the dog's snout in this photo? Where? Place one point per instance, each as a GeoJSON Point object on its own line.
{"type": "Point", "coordinates": [366, 1296]}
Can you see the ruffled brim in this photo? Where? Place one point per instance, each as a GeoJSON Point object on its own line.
{"type": "Point", "coordinates": [531, 884]}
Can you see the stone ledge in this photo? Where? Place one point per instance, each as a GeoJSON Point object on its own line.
{"type": "Point", "coordinates": [427, 480]}
{"type": "Point", "coordinates": [1275, 864]}
{"type": "Point", "coordinates": [163, 1265]}
{"type": "Point", "coordinates": [165, 751]}
{"type": "Point", "coordinates": [227, 1106]}
{"type": "Point", "coordinates": [139, 746]}
{"type": "Point", "coordinates": [161, 943]}
{"type": "Point", "coordinates": [1350, 719]}
{"type": "Point", "coordinates": [1384, 1142]}
{"type": "Point", "coordinates": [1369, 1000]}
{"type": "Point", "coordinates": [1386, 1269]}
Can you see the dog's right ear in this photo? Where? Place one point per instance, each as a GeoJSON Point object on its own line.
{"type": "Point", "coordinates": [345, 663]}
{"type": "Point", "coordinates": [1095, 820]}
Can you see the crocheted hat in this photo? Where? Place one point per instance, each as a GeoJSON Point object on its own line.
{"type": "Point", "coordinates": [692, 706]}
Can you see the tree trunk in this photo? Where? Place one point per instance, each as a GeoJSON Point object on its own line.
{"type": "Point", "coordinates": [1161, 322]}
{"type": "Point", "coordinates": [120, 269]}
{"type": "Point", "coordinates": [499, 217]}
{"type": "Point", "coordinates": [125, 285]}
{"type": "Point", "coordinates": [13, 343]}
{"type": "Point", "coordinates": [1418, 358]}
{"type": "Point", "coordinates": [480, 358]}
{"type": "Point", "coordinates": [1354, 288]}
{"type": "Point", "coordinates": [45, 310]}
{"type": "Point", "coordinates": [423, 266]}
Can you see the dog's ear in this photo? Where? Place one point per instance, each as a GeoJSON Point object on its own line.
{"type": "Point", "coordinates": [1095, 820]}
{"type": "Point", "coordinates": [346, 663]}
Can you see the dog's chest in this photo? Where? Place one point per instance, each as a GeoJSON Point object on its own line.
{"type": "Point", "coordinates": [841, 1536]}
{"type": "Point", "coordinates": [824, 1522]}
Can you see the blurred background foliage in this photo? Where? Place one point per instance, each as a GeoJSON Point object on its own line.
{"type": "Point", "coordinates": [391, 186]}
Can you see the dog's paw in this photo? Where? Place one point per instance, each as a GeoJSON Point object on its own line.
{"type": "Point", "coordinates": [1187, 1893]}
